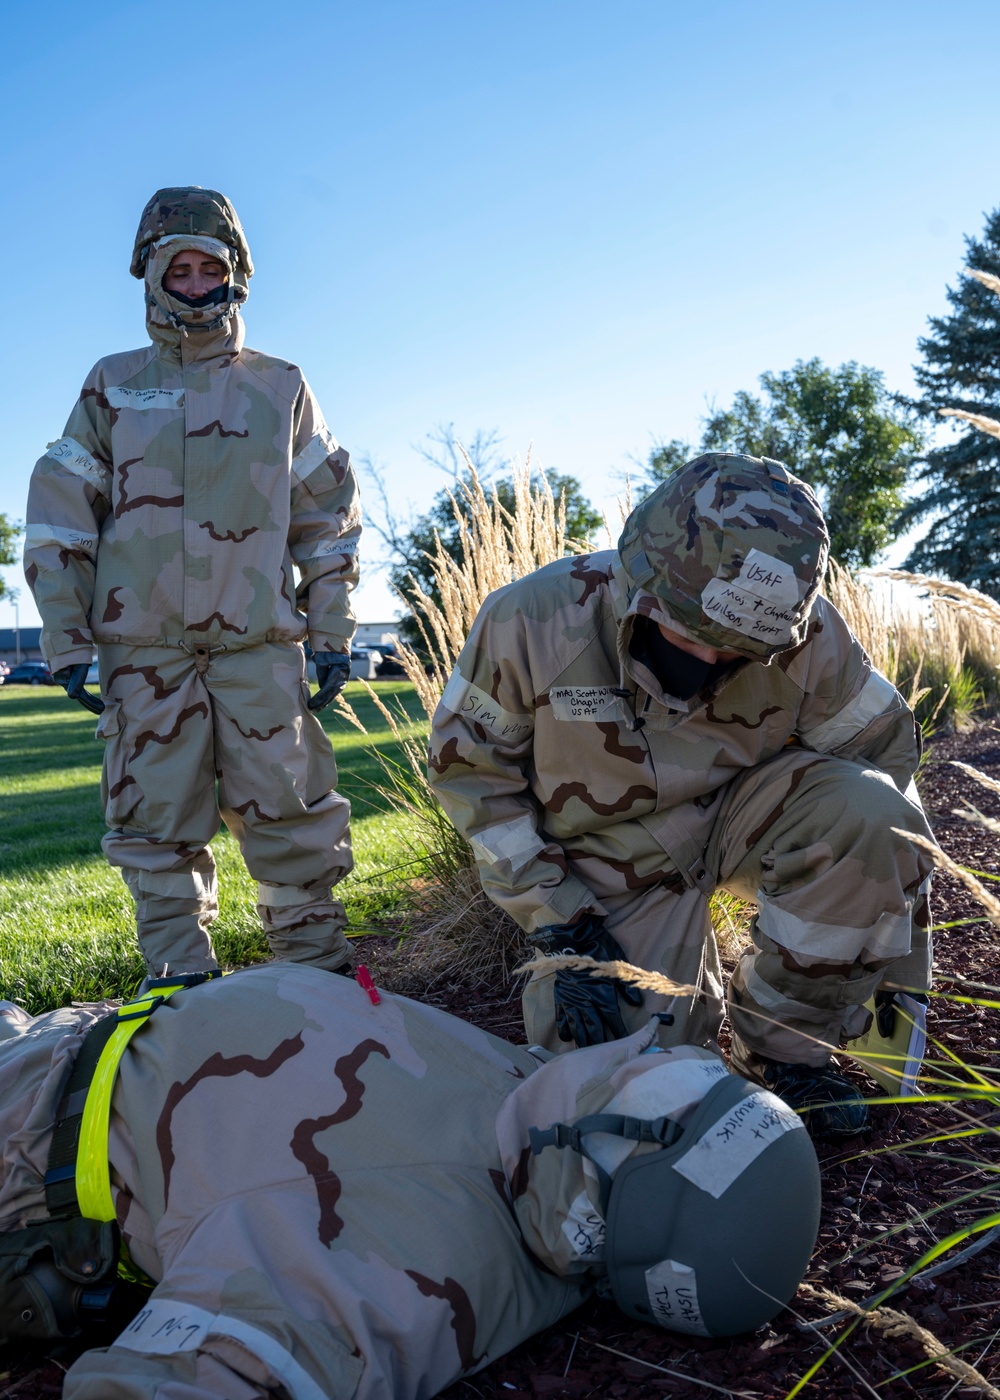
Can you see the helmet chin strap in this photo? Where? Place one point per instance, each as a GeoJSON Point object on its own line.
{"type": "Point", "coordinates": [664, 1131]}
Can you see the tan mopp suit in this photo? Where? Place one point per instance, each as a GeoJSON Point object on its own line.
{"type": "Point", "coordinates": [193, 479]}
{"type": "Point", "coordinates": [333, 1198]}
{"type": "Point", "coordinates": [582, 784]}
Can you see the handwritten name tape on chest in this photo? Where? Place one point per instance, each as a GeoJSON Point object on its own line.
{"type": "Point", "coordinates": [729, 1146]}
{"type": "Point", "coordinates": [591, 702]}
{"type": "Point", "coordinates": [759, 602]}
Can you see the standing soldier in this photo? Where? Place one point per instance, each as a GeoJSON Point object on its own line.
{"type": "Point", "coordinates": [163, 526]}
{"type": "Point", "coordinates": [625, 732]}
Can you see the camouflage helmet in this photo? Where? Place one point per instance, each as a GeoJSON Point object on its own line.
{"type": "Point", "coordinates": [697, 1238]}
{"type": "Point", "coordinates": [734, 548]}
{"type": "Point", "coordinates": [192, 210]}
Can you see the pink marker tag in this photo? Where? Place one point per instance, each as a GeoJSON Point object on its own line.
{"type": "Point", "coordinates": [364, 979]}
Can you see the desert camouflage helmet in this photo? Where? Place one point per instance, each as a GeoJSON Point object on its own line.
{"type": "Point", "coordinates": [190, 209]}
{"type": "Point", "coordinates": [698, 1240]}
{"type": "Point", "coordinates": [734, 548]}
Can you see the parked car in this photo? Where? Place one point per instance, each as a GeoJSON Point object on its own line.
{"type": "Point", "coordinates": [389, 665]}
{"type": "Point", "coordinates": [30, 673]}
{"type": "Point", "coordinates": [94, 674]}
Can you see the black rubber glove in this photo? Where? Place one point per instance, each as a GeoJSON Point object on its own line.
{"type": "Point", "coordinates": [73, 681]}
{"type": "Point", "coordinates": [587, 1007]}
{"type": "Point", "coordinates": [333, 671]}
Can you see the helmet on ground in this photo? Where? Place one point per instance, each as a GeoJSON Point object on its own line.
{"type": "Point", "coordinates": [732, 549]}
{"type": "Point", "coordinates": [193, 211]}
{"type": "Point", "coordinates": [710, 1226]}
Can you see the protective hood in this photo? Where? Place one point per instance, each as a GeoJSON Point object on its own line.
{"type": "Point", "coordinates": [729, 552]}
{"type": "Point", "coordinates": [557, 1195]}
{"type": "Point", "coordinates": [192, 218]}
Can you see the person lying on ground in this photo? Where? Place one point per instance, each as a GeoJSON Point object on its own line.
{"type": "Point", "coordinates": [336, 1194]}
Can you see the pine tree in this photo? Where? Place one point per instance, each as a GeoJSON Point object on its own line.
{"type": "Point", "coordinates": [961, 370]}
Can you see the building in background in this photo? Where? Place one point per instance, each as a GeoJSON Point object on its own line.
{"type": "Point", "coordinates": [29, 640]}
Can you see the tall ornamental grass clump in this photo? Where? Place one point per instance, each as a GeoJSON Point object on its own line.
{"type": "Point", "coordinates": [464, 937]}
{"type": "Point", "coordinates": [938, 641]}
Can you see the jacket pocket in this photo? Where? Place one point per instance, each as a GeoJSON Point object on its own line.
{"type": "Point", "coordinates": [120, 793]}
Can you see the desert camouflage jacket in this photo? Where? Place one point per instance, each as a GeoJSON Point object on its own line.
{"type": "Point", "coordinates": [553, 746]}
{"type": "Point", "coordinates": [192, 475]}
{"type": "Point", "coordinates": [315, 1184]}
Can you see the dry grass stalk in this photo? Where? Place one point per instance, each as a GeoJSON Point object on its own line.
{"type": "Point", "coordinates": [620, 971]}
{"type": "Point", "coordinates": [982, 778]}
{"type": "Point", "coordinates": [496, 546]}
{"type": "Point", "coordinates": [895, 1325]}
{"type": "Point", "coordinates": [988, 279]}
{"type": "Point", "coordinates": [991, 905]}
{"type": "Point", "coordinates": [978, 420]}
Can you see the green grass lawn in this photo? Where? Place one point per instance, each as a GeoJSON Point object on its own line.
{"type": "Point", "coordinates": [67, 929]}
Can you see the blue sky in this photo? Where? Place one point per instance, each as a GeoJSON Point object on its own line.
{"type": "Point", "coordinates": [576, 223]}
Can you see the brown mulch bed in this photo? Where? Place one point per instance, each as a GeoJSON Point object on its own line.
{"type": "Point", "coordinates": [868, 1190]}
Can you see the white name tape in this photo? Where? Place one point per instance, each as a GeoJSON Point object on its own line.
{"type": "Point", "coordinates": [75, 458]}
{"type": "Point", "coordinates": [759, 602]}
{"type": "Point", "coordinates": [165, 1328]}
{"type": "Point", "coordinates": [584, 1228]}
{"type": "Point", "coordinates": [119, 397]}
{"type": "Point", "coordinates": [36, 536]}
{"type": "Point", "coordinates": [589, 702]}
{"type": "Point", "coordinates": [463, 698]}
{"type": "Point", "coordinates": [738, 1138]}
{"type": "Point", "coordinates": [672, 1290]}
{"type": "Point", "coordinates": [319, 549]}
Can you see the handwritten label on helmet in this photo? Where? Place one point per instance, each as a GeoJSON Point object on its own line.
{"type": "Point", "coordinates": [739, 1137]}
{"type": "Point", "coordinates": [672, 1290]}
{"type": "Point", "coordinates": [759, 602]}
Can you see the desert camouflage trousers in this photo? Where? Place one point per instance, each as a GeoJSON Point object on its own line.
{"type": "Point", "coordinates": [841, 908]}
{"type": "Point", "coordinates": [195, 736]}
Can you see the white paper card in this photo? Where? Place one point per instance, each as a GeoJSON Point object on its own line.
{"type": "Point", "coordinates": [672, 1290]}
{"type": "Point", "coordinates": [735, 1140]}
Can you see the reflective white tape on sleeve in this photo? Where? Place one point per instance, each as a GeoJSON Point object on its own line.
{"type": "Point", "coordinates": [585, 1229]}
{"type": "Point", "coordinates": [76, 459]}
{"type": "Point", "coordinates": [37, 536]}
{"type": "Point", "coordinates": [288, 896]}
{"type": "Point", "coordinates": [589, 702]}
{"type": "Point", "coordinates": [463, 698]}
{"type": "Point", "coordinates": [319, 447]}
{"type": "Point", "coordinates": [120, 397]}
{"type": "Point", "coordinates": [739, 1137]}
{"type": "Point", "coordinates": [672, 1290]}
{"type": "Point", "coordinates": [516, 841]}
{"type": "Point", "coordinates": [873, 699]}
{"type": "Point", "coordinates": [165, 1328]}
{"type": "Point", "coordinates": [176, 884]}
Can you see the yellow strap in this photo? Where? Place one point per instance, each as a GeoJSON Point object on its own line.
{"type": "Point", "coordinates": [93, 1175]}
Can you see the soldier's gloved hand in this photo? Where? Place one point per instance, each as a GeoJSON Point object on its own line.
{"type": "Point", "coordinates": [587, 1007]}
{"type": "Point", "coordinates": [333, 671]}
{"type": "Point", "coordinates": [73, 681]}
